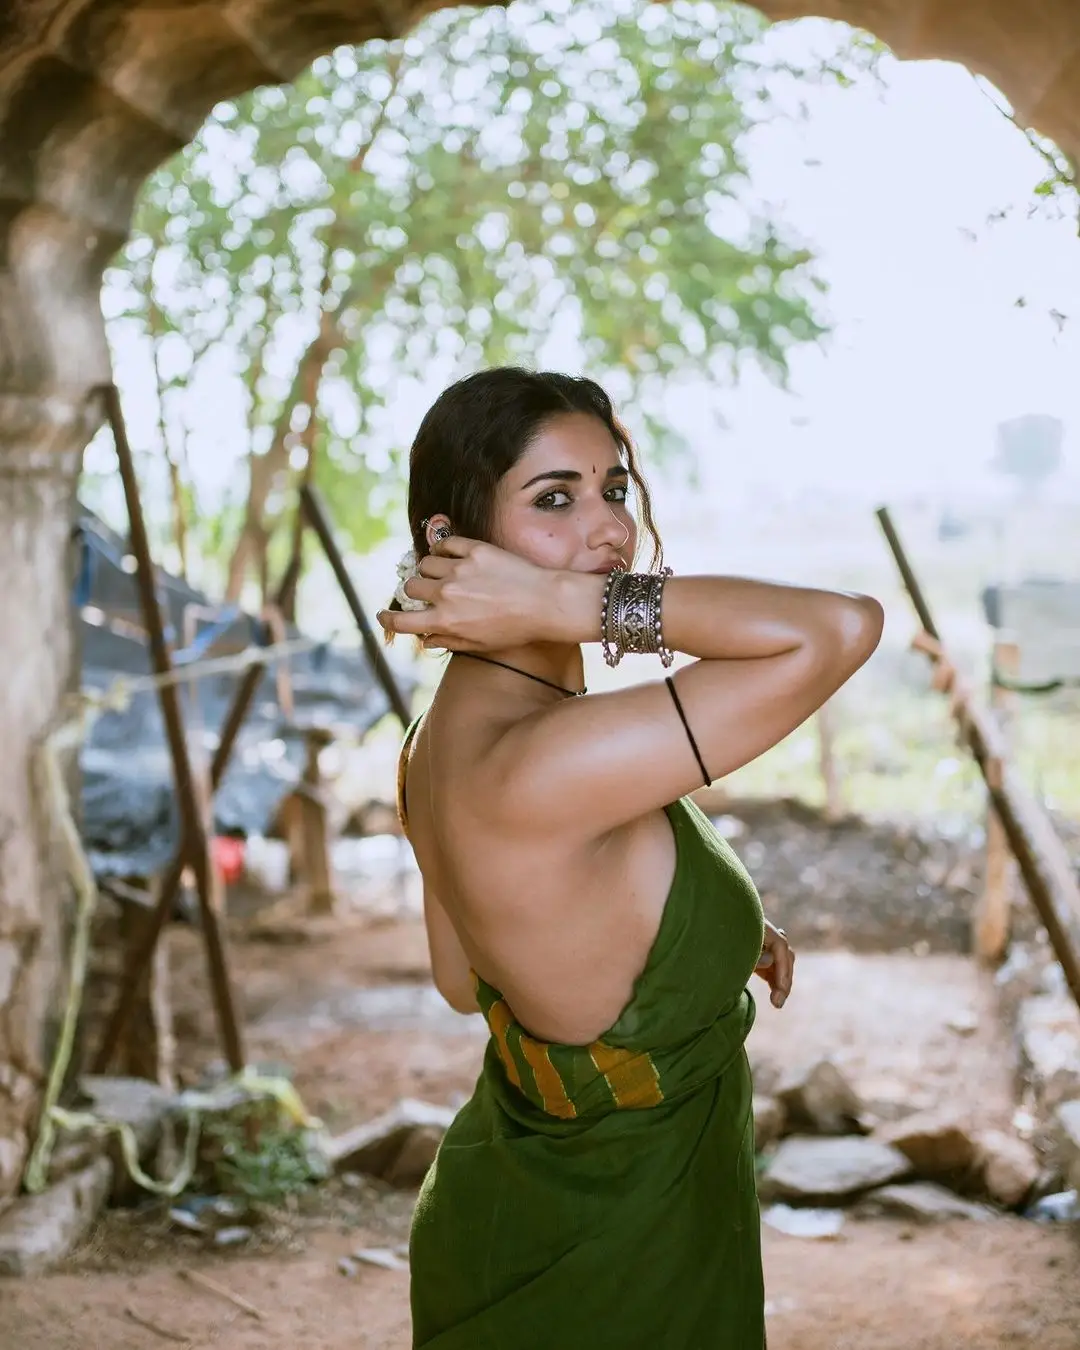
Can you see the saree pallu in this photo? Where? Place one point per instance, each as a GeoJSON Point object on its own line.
{"type": "Point", "coordinates": [603, 1197]}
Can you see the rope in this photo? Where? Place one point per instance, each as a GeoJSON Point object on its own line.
{"type": "Point", "coordinates": [119, 692]}
{"type": "Point", "coordinates": [50, 788]}
{"type": "Point", "coordinates": [1014, 686]}
{"type": "Point", "coordinates": [102, 1126]}
{"type": "Point", "coordinates": [195, 1105]}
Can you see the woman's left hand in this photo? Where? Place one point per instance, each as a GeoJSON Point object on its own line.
{"type": "Point", "coordinates": [776, 966]}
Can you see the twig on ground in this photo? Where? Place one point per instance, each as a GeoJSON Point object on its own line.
{"type": "Point", "coordinates": [235, 1299]}
{"type": "Point", "coordinates": [163, 1332]}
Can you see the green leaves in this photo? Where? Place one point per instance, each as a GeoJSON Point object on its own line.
{"type": "Point", "coordinates": [455, 199]}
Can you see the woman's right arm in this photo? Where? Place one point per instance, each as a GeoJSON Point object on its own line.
{"type": "Point", "coordinates": [769, 656]}
{"type": "Point", "coordinates": [725, 618]}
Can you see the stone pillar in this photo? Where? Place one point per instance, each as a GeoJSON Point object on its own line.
{"type": "Point", "coordinates": [37, 491]}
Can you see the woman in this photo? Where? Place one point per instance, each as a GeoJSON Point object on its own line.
{"type": "Point", "coordinates": [597, 1192]}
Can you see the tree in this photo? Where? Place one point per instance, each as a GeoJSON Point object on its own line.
{"type": "Point", "coordinates": [452, 200]}
{"type": "Point", "coordinates": [1029, 450]}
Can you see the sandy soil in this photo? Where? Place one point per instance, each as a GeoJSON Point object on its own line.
{"type": "Point", "coordinates": [881, 1287]}
{"type": "Point", "coordinates": [346, 1003]}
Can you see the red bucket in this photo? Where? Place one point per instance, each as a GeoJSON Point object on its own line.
{"type": "Point", "coordinates": [228, 856]}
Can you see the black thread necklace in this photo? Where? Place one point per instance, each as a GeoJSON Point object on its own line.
{"type": "Point", "coordinates": [567, 693]}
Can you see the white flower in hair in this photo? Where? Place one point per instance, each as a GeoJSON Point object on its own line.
{"type": "Point", "coordinates": [406, 568]}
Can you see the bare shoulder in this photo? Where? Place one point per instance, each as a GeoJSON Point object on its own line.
{"type": "Point", "coordinates": [587, 766]}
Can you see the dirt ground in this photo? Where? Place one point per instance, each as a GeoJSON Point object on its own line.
{"type": "Point", "coordinates": [346, 1004]}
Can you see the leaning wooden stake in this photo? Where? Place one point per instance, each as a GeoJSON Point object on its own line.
{"type": "Point", "coordinates": [195, 844]}
{"type": "Point", "coordinates": [319, 521]}
{"type": "Point", "coordinates": [1040, 854]}
{"type": "Point", "coordinates": [141, 955]}
{"type": "Point", "coordinates": [991, 920]}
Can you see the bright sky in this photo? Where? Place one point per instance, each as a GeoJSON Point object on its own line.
{"type": "Point", "coordinates": [893, 188]}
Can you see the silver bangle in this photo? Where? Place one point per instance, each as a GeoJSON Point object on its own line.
{"type": "Point", "coordinates": [631, 616]}
{"type": "Point", "coordinates": [613, 651]}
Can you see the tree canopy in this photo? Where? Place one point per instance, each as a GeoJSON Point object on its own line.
{"type": "Point", "coordinates": [500, 186]}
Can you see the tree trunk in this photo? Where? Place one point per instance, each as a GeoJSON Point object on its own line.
{"type": "Point", "coordinates": [39, 466]}
{"type": "Point", "coordinates": [253, 543]}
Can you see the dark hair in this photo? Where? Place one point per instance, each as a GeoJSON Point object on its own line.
{"type": "Point", "coordinates": [478, 429]}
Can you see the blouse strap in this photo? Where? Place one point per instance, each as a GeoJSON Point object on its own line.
{"type": "Point", "coordinates": [402, 771]}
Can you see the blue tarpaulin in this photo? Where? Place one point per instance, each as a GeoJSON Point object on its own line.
{"type": "Point", "coordinates": [129, 810]}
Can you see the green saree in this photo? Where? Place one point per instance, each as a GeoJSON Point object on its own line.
{"type": "Point", "coordinates": [603, 1197]}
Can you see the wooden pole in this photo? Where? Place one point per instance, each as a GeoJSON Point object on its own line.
{"type": "Point", "coordinates": [315, 839]}
{"type": "Point", "coordinates": [991, 919]}
{"type": "Point", "coordinates": [826, 730]}
{"type": "Point", "coordinates": [194, 834]}
{"type": "Point", "coordinates": [141, 955]}
{"type": "Point", "coordinates": [320, 523]}
{"type": "Point", "coordinates": [149, 1050]}
{"type": "Point", "coordinates": [1039, 853]}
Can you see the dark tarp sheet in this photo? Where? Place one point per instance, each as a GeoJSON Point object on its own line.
{"type": "Point", "coordinates": [129, 812]}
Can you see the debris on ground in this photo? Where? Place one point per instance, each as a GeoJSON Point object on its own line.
{"type": "Point", "coordinates": [1067, 1126]}
{"type": "Point", "coordinates": [804, 1223]}
{"type": "Point", "coordinates": [1062, 1207]}
{"type": "Point", "coordinates": [398, 1146]}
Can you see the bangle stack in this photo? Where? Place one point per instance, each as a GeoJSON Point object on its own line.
{"type": "Point", "coordinates": [630, 616]}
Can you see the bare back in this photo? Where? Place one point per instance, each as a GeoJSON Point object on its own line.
{"type": "Point", "coordinates": [563, 928]}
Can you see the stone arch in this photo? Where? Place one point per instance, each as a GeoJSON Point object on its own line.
{"type": "Point", "coordinates": [93, 95]}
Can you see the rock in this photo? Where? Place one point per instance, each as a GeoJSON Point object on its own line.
{"type": "Point", "coordinates": [1048, 1029]}
{"type": "Point", "coordinates": [892, 1100]}
{"type": "Point", "coordinates": [73, 1154]}
{"type": "Point", "coordinates": [1018, 979]}
{"type": "Point", "coordinates": [398, 1146]}
{"type": "Point", "coordinates": [766, 1075]}
{"type": "Point", "coordinates": [136, 1102]}
{"type": "Point", "coordinates": [768, 1121]}
{"type": "Point", "coordinates": [804, 1223]}
{"type": "Point", "coordinates": [40, 1230]}
{"type": "Point", "coordinates": [965, 1022]}
{"type": "Point", "coordinates": [1067, 1132]}
{"type": "Point", "coordinates": [811, 1169]}
{"type": "Point", "coordinates": [922, 1201]}
{"type": "Point", "coordinates": [938, 1145]}
{"type": "Point", "coordinates": [1008, 1167]}
{"type": "Point", "coordinates": [381, 1256]}
{"type": "Point", "coordinates": [818, 1098]}
{"type": "Point", "coordinates": [1064, 1207]}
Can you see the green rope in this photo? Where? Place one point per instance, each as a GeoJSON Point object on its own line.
{"type": "Point", "coordinates": [129, 1147]}
{"type": "Point", "coordinates": [56, 802]}
{"type": "Point", "coordinates": [1013, 686]}
{"type": "Point", "coordinates": [53, 794]}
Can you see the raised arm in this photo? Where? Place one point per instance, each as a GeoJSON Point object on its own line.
{"type": "Point", "coordinates": [770, 655]}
